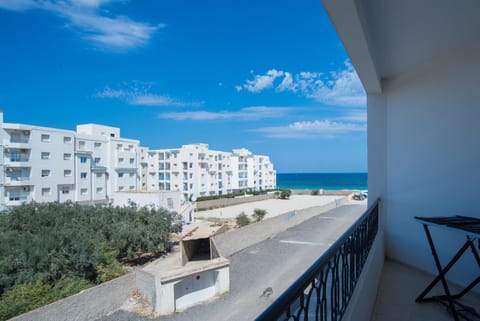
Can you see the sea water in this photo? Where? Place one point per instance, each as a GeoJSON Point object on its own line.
{"type": "Point", "coordinates": [327, 181]}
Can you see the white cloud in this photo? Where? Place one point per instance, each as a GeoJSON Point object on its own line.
{"type": "Point", "coordinates": [138, 94]}
{"type": "Point", "coordinates": [115, 33]}
{"type": "Point", "coordinates": [341, 88]}
{"type": "Point", "coordinates": [316, 128]}
{"type": "Point", "coordinates": [261, 82]}
{"type": "Point", "coordinates": [247, 113]}
{"type": "Point", "coordinates": [359, 116]}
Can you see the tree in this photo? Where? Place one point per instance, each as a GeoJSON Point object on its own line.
{"type": "Point", "coordinates": [64, 246]}
{"type": "Point", "coordinates": [242, 219]}
{"type": "Point", "coordinates": [258, 214]}
{"type": "Point", "coordinates": [285, 194]}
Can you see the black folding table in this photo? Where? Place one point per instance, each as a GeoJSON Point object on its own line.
{"type": "Point", "coordinates": [470, 227]}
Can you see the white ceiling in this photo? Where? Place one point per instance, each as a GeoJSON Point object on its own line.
{"type": "Point", "coordinates": [404, 34]}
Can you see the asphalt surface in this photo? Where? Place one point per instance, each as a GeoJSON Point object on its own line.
{"type": "Point", "coordinates": [260, 273]}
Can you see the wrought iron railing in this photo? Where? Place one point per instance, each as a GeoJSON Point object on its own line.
{"type": "Point", "coordinates": [323, 292]}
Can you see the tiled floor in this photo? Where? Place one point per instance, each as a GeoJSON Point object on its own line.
{"type": "Point", "coordinates": [399, 287]}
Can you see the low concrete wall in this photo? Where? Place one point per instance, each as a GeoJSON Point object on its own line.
{"type": "Point", "coordinates": [87, 305]}
{"type": "Point", "coordinates": [362, 303]}
{"type": "Point", "coordinates": [223, 202]}
{"type": "Point", "coordinates": [236, 240]}
{"type": "Point", "coordinates": [322, 192]}
{"type": "Point", "coordinates": [145, 284]}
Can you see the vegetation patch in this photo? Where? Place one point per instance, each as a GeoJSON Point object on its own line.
{"type": "Point", "coordinates": [49, 251]}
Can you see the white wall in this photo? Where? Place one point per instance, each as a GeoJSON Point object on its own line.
{"type": "Point", "coordinates": [432, 157]}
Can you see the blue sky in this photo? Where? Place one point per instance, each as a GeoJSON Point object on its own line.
{"type": "Point", "coordinates": [270, 76]}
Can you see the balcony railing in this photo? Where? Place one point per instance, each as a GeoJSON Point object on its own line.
{"type": "Point", "coordinates": [323, 292]}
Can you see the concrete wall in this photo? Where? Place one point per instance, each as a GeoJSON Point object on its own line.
{"type": "Point", "coordinates": [430, 145]}
{"type": "Point", "coordinates": [88, 305]}
{"type": "Point", "coordinates": [145, 283]}
{"type": "Point", "coordinates": [223, 202]}
{"type": "Point", "coordinates": [362, 302]}
{"type": "Point", "coordinates": [235, 240]}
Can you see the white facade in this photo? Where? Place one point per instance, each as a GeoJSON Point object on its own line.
{"type": "Point", "coordinates": [196, 171]}
{"type": "Point", "coordinates": [419, 64]}
{"type": "Point", "coordinates": [93, 164]}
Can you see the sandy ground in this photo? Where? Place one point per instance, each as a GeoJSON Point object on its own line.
{"type": "Point", "coordinates": [274, 207]}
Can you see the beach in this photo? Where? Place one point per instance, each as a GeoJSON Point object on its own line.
{"type": "Point", "coordinates": [274, 207]}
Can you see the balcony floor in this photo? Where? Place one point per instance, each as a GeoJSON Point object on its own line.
{"type": "Point", "coordinates": [400, 285]}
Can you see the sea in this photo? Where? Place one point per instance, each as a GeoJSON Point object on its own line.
{"type": "Point", "coordinates": [327, 181]}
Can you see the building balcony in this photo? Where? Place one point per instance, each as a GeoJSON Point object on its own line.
{"type": "Point", "coordinates": [18, 162]}
{"type": "Point", "coordinates": [97, 168]}
{"type": "Point", "coordinates": [18, 181]}
{"type": "Point", "coordinates": [399, 286]}
{"type": "Point", "coordinates": [22, 143]}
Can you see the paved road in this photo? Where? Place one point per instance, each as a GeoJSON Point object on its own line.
{"type": "Point", "coordinates": [274, 263]}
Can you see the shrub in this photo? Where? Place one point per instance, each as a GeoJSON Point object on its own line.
{"type": "Point", "coordinates": [242, 219]}
{"type": "Point", "coordinates": [314, 192]}
{"type": "Point", "coordinates": [285, 194]}
{"type": "Point", "coordinates": [26, 297]}
{"type": "Point", "coordinates": [40, 244]}
{"type": "Point", "coordinates": [258, 214]}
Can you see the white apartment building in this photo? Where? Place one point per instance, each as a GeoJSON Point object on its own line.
{"type": "Point", "coordinates": [93, 164]}
{"type": "Point", "coordinates": [196, 171]}
{"type": "Point", "coordinates": [46, 164]}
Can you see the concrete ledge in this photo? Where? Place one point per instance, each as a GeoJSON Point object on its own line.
{"type": "Point", "coordinates": [223, 202]}
{"type": "Point", "coordinates": [363, 300]}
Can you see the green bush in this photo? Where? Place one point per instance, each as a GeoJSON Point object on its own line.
{"type": "Point", "coordinates": [50, 241]}
{"type": "Point", "coordinates": [26, 297]}
{"type": "Point", "coordinates": [258, 214]}
{"type": "Point", "coordinates": [242, 219]}
{"type": "Point", "coordinates": [285, 194]}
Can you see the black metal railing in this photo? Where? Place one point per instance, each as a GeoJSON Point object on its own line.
{"type": "Point", "coordinates": [322, 293]}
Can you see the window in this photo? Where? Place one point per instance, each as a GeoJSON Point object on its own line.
{"type": "Point", "coordinates": [81, 144]}
{"type": "Point", "coordinates": [120, 174]}
{"type": "Point", "coordinates": [45, 138]}
{"type": "Point", "coordinates": [45, 155]}
{"type": "Point", "coordinates": [46, 191]}
{"type": "Point", "coordinates": [65, 190]}
{"type": "Point", "coordinates": [67, 139]}
{"type": "Point", "coordinates": [83, 191]}
{"type": "Point", "coordinates": [170, 203]}
{"type": "Point", "coordinates": [119, 146]}
{"type": "Point", "coordinates": [132, 187]}
{"type": "Point", "coordinates": [67, 172]}
{"type": "Point", "coordinates": [83, 159]}
{"type": "Point", "coordinates": [45, 172]}
{"type": "Point", "coordinates": [99, 175]}
{"type": "Point", "coordinates": [96, 160]}
{"type": "Point", "coordinates": [67, 156]}
{"type": "Point", "coordinates": [99, 190]}
{"type": "Point", "coordinates": [191, 165]}
{"type": "Point", "coordinates": [83, 175]}
{"type": "Point", "coordinates": [112, 135]}
{"type": "Point", "coordinates": [132, 161]}
{"type": "Point", "coordinates": [120, 188]}
{"type": "Point", "coordinates": [120, 160]}
{"type": "Point", "coordinates": [97, 145]}
{"type": "Point", "coordinates": [132, 174]}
